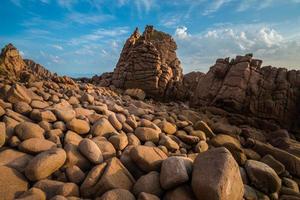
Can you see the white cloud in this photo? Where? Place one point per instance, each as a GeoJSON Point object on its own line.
{"type": "Point", "coordinates": [181, 32]}
{"type": "Point", "coordinates": [57, 47]}
{"type": "Point", "coordinates": [259, 4]}
{"type": "Point", "coordinates": [66, 3]}
{"type": "Point", "coordinates": [144, 5]}
{"type": "Point", "coordinates": [88, 18]}
{"type": "Point", "coordinates": [215, 6]}
{"type": "Point", "coordinates": [100, 34]}
{"type": "Point", "coordinates": [199, 51]}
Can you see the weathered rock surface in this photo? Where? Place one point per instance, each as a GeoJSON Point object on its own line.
{"type": "Point", "coordinates": [149, 62]}
{"type": "Point", "coordinates": [65, 139]}
{"type": "Point", "coordinates": [216, 176]}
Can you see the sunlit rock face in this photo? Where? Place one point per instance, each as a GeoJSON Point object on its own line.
{"type": "Point", "coordinates": [243, 86]}
{"type": "Point", "coordinates": [11, 61]}
{"type": "Point", "coordinates": [149, 62]}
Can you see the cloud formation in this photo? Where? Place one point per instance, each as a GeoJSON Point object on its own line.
{"type": "Point", "coordinates": [199, 51]}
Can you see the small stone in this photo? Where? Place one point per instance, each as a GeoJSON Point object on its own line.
{"type": "Point", "coordinates": [202, 126]}
{"type": "Point", "coordinates": [202, 146]}
{"type": "Point", "coordinates": [2, 134]}
{"type": "Point", "coordinates": [79, 126]}
{"type": "Point", "coordinates": [147, 134]}
{"type": "Point", "coordinates": [167, 127]}
{"type": "Point", "coordinates": [169, 143]}
{"type": "Point", "coordinates": [115, 122]}
{"type": "Point", "coordinates": [87, 98]}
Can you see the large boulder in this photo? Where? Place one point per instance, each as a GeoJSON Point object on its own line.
{"type": "Point", "coordinates": [12, 183]}
{"type": "Point", "coordinates": [216, 176]}
{"type": "Point", "coordinates": [105, 177]}
{"type": "Point", "coordinates": [262, 176]}
{"type": "Point", "coordinates": [147, 158]}
{"type": "Point", "coordinates": [45, 163]}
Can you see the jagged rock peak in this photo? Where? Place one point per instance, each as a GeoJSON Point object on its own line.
{"type": "Point", "coordinates": [149, 62]}
{"type": "Point", "coordinates": [11, 62]}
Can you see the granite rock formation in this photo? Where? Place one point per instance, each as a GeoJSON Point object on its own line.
{"type": "Point", "coordinates": [242, 86]}
{"type": "Point", "coordinates": [149, 62]}
{"type": "Point", "coordinates": [16, 68]}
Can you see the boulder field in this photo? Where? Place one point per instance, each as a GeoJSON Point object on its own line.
{"type": "Point", "coordinates": [72, 139]}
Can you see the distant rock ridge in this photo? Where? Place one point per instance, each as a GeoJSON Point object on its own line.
{"type": "Point", "coordinates": [14, 67]}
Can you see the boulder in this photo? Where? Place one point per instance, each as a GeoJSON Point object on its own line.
{"type": "Point", "coordinates": [12, 183]}
{"type": "Point", "coordinates": [273, 163]}
{"type": "Point", "coordinates": [183, 192]}
{"type": "Point", "coordinates": [35, 145]}
{"type": "Point", "coordinates": [135, 93]}
{"type": "Point", "coordinates": [149, 183]}
{"type": "Point", "coordinates": [262, 176]}
{"type": "Point", "coordinates": [45, 163]}
{"type": "Point", "coordinates": [90, 150]}
{"type": "Point", "coordinates": [222, 181]}
{"type": "Point", "coordinates": [79, 126]}
{"type": "Point", "coordinates": [27, 130]}
{"type": "Point", "coordinates": [105, 177]}
{"type": "Point", "coordinates": [14, 159]}
{"type": "Point", "coordinates": [32, 194]}
{"type": "Point", "coordinates": [232, 144]}
{"type": "Point", "coordinates": [117, 194]}
{"type": "Point", "coordinates": [18, 93]}
{"type": "Point", "coordinates": [2, 133]}
{"type": "Point", "coordinates": [102, 127]}
{"type": "Point", "coordinates": [147, 158]}
{"type": "Point", "coordinates": [173, 173]}
{"type": "Point", "coordinates": [167, 127]}
{"type": "Point", "coordinates": [147, 134]}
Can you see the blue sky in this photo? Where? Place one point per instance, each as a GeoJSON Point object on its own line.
{"type": "Point", "coordinates": [84, 37]}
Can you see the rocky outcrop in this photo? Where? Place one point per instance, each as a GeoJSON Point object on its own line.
{"type": "Point", "coordinates": [149, 62]}
{"type": "Point", "coordinates": [242, 86]}
{"type": "Point", "coordinates": [38, 69]}
{"type": "Point", "coordinates": [11, 62]}
{"type": "Point", "coordinates": [14, 67]}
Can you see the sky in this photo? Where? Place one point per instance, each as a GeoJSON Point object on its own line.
{"type": "Point", "coordinates": [85, 37]}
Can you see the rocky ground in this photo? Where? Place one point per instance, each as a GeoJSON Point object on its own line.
{"type": "Point", "coordinates": [65, 139]}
